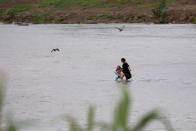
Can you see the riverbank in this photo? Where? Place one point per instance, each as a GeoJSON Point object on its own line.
{"type": "Point", "coordinates": [94, 11]}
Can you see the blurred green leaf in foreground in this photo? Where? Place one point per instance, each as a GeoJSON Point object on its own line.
{"type": "Point", "coordinates": [10, 125]}
{"type": "Point", "coordinates": [120, 118]}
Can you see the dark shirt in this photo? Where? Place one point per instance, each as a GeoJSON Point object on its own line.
{"type": "Point", "coordinates": [125, 67]}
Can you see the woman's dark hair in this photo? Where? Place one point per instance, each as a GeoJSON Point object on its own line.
{"type": "Point", "coordinates": [123, 60]}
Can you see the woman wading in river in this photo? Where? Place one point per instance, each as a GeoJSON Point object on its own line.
{"type": "Point", "coordinates": [125, 70]}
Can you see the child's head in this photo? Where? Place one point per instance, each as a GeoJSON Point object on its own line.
{"type": "Point", "coordinates": [118, 67]}
{"type": "Point", "coordinates": [123, 60]}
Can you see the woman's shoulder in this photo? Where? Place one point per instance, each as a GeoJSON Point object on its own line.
{"type": "Point", "coordinates": [126, 64]}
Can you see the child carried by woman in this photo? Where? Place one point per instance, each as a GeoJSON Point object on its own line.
{"type": "Point", "coordinates": [118, 72]}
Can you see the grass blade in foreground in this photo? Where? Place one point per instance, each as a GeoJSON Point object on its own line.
{"type": "Point", "coordinates": [90, 121]}
{"type": "Point", "coordinates": [121, 113]}
{"type": "Point", "coordinates": [153, 115]}
{"type": "Point", "coordinates": [2, 87]}
{"type": "Point", "coordinates": [73, 125]}
{"type": "Point", "coordinates": [11, 126]}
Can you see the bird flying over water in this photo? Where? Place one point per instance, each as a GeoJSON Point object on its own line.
{"type": "Point", "coordinates": [120, 28]}
{"type": "Point", "coordinates": [56, 49]}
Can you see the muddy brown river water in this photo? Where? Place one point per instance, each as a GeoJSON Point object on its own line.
{"type": "Point", "coordinates": [43, 86]}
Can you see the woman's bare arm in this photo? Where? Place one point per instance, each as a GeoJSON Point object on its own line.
{"type": "Point", "coordinates": [129, 68]}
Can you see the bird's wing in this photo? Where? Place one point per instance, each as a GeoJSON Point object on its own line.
{"type": "Point", "coordinates": [118, 28]}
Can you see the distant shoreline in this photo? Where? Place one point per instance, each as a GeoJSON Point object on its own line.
{"type": "Point", "coordinates": [27, 24]}
{"type": "Point", "coordinates": [94, 12]}
{"type": "Point", "coordinates": [21, 20]}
